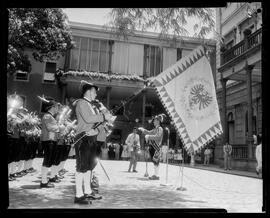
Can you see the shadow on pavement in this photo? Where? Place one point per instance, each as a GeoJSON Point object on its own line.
{"type": "Point", "coordinates": [143, 179]}
{"type": "Point", "coordinates": [27, 196]}
{"type": "Point", "coordinates": [116, 196]}
{"type": "Point", "coordinates": [30, 186]}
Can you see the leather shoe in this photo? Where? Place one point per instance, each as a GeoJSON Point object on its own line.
{"type": "Point", "coordinates": [59, 177]}
{"type": "Point", "coordinates": [31, 170]}
{"type": "Point", "coordinates": [11, 178]}
{"type": "Point", "coordinates": [135, 171]}
{"type": "Point", "coordinates": [81, 200]}
{"type": "Point", "coordinates": [46, 185]}
{"type": "Point", "coordinates": [54, 179]}
{"type": "Point", "coordinates": [154, 177]}
{"type": "Point", "coordinates": [17, 175]}
{"type": "Point", "coordinates": [93, 196]}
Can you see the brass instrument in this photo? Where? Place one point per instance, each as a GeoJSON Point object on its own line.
{"type": "Point", "coordinates": [107, 124]}
{"type": "Point", "coordinates": [14, 102]}
{"type": "Point", "coordinates": [63, 119]}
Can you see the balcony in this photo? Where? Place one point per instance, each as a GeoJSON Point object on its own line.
{"type": "Point", "coordinates": [243, 47]}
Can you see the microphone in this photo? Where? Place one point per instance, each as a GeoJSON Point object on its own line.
{"type": "Point", "coordinates": [167, 129]}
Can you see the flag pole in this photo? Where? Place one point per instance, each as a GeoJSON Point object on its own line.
{"type": "Point", "coordinates": [146, 161]}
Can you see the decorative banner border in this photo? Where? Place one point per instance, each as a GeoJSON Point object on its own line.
{"type": "Point", "coordinates": [159, 83]}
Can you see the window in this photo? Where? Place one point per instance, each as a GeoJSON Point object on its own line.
{"type": "Point", "coordinates": [230, 44]}
{"type": "Point", "coordinates": [49, 72]}
{"type": "Point", "coordinates": [230, 117]}
{"type": "Point", "coordinates": [179, 53]}
{"type": "Point", "coordinates": [44, 105]}
{"type": "Point", "coordinates": [90, 55]}
{"type": "Point", "coordinates": [21, 76]}
{"type": "Point", "coordinates": [152, 60]}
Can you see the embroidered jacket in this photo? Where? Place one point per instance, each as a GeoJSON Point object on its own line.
{"type": "Point", "coordinates": [155, 134]}
{"type": "Point", "coordinates": [86, 116]}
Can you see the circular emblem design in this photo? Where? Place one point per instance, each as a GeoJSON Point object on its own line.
{"type": "Point", "coordinates": [197, 98]}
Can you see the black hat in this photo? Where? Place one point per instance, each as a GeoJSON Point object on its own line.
{"type": "Point", "coordinates": [86, 85]}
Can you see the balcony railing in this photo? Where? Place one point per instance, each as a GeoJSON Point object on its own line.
{"type": "Point", "coordinates": [252, 40]}
{"type": "Point", "coordinates": [241, 151]}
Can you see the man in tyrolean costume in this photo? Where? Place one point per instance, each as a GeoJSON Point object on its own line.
{"type": "Point", "coordinates": [154, 139]}
{"type": "Point", "coordinates": [85, 149]}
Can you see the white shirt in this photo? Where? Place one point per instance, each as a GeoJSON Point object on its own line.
{"type": "Point", "coordinates": [259, 153]}
{"type": "Point", "coordinates": [133, 140]}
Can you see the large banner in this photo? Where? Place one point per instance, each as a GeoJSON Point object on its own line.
{"type": "Point", "coordinates": [187, 92]}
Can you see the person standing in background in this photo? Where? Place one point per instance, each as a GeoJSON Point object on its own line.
{"type": "Point", "coordinates": [207, 154]}
{"type": "Point", "coordinates": [120, 151]}
{"type": "Point", "coordinates": [133, 142]}
{"type": "Point", "coordinates": [227, 150]}
{"type": "Point", "coordinates": [117, 150]}
{"type": "Point", "coordinates": [125, 153]}
{"type": "Point", "coordinates": [258, 153]}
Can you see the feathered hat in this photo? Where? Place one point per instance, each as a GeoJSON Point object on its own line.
{"type": "Point", "coordinates": [48, 102]}
{"type": "Point", "coordinates": [159, 117]}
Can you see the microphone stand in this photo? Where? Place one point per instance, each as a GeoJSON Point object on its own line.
{"type": "Point", "coordinates": [181, 170]}
{"type": "Point", "coordinates": [146, 163]}
{"type": "Point", "coordinates": [167, 161]}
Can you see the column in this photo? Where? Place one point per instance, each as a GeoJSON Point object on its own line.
{"type": "Point", "coordinates": [64, 93]}
{"type": "Point", "coordinates": [248, 69]}
{"type": "Point", "coordinates": [108, 95]}
{"type": "Point", "coordinates": [67, 60]}
{"type": "Point", "coordinates": [143, 112]}
{"type": "Point", "coordinates": [176, 140]}
{"type": "Point", "coordinates": [110, 56]}
{"type": "Point", "coordinates": [224, 110]}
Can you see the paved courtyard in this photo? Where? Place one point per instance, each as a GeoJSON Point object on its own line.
{"type": "Point", "coordinates": [204, 189]}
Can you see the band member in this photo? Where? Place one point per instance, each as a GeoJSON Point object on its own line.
{"type": "Point", "coordinates": [98, 107]}
{"type": "Point", "coordinates": [85, 149]}
{"type": "Point", "coordinates": [133, 142]}
{"type": "Point", "coordinates": [49, 131]}
{"type": "Point", "coordinates": [64, 147]}
{"type": "Point", "coordinates": [58, 152]}
{"type": "Point", "coordinates": [33, 144]}
{"type": "Point", "coordinates": [13, 147]}
{"type": "Point", "coordinates": [154, 139]}
{"type": "Point", "coordinates": [68, 141]}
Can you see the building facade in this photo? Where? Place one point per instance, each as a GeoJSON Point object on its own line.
{"type": "Point", "coordinates": [238, 80]}
{"type": "Point", "coordinates": [119, 67]}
